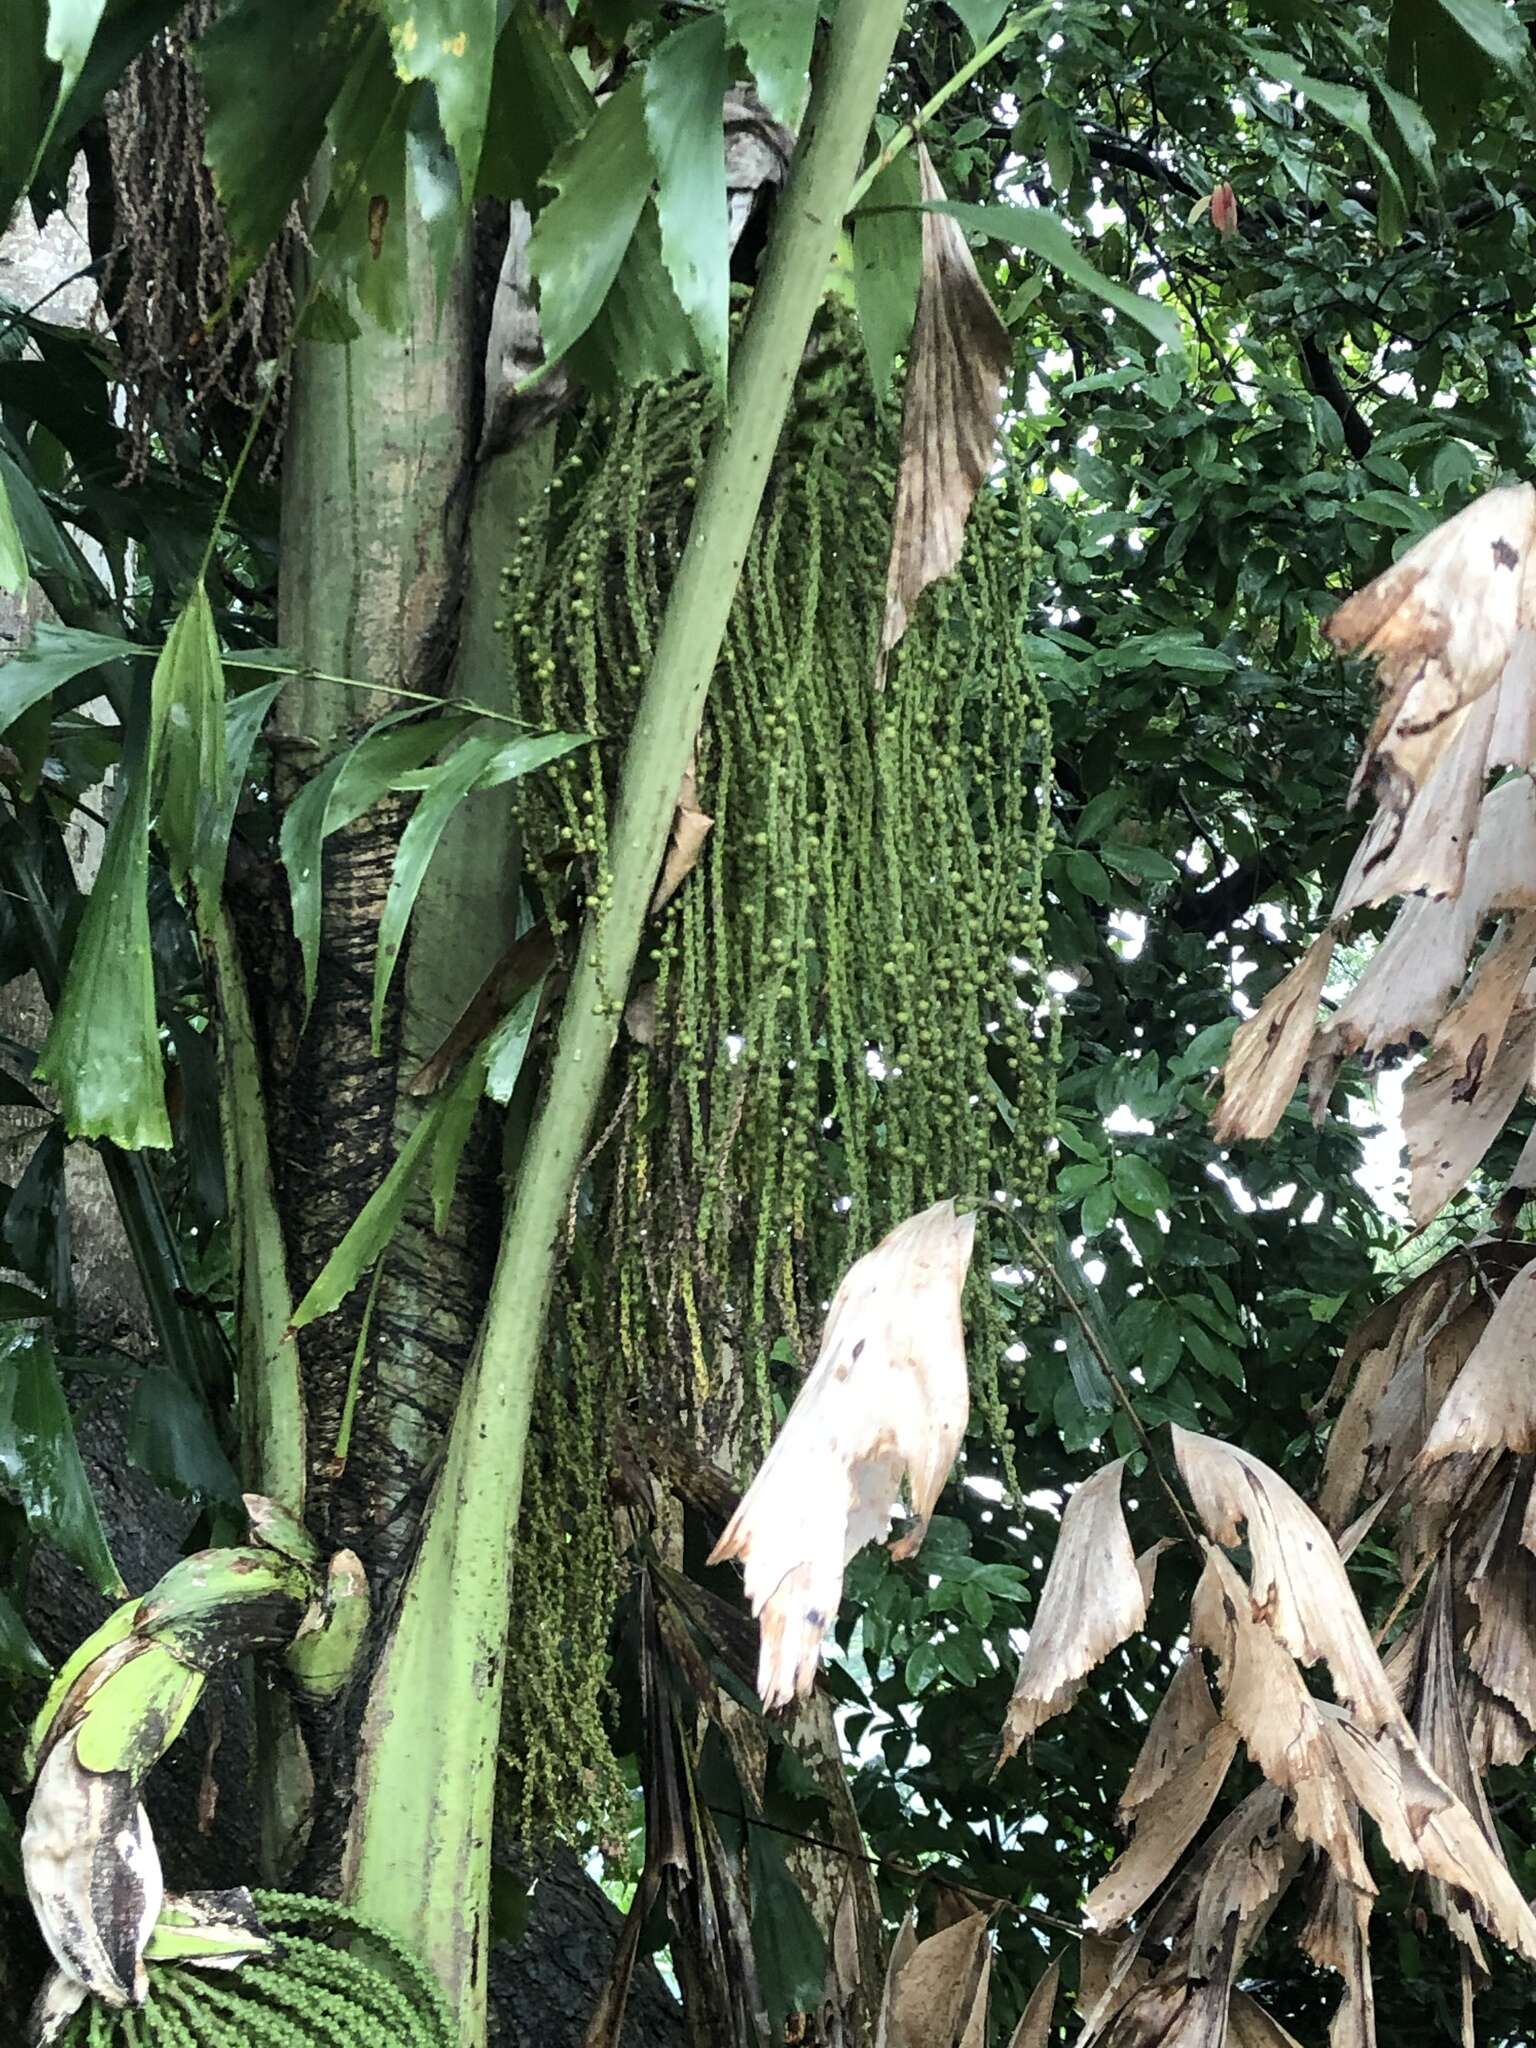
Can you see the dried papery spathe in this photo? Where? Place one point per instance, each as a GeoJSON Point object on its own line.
{"type": "Point", "coordinates": [887, 1398]}
{"type": "Point", "coordinates": [92, 1874]}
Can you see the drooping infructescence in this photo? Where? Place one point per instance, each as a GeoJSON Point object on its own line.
{"type": "Point", "coordinates": [841, 1014]}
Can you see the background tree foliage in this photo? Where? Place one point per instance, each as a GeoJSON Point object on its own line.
{"type": "Point", "coordinates": [1356, 368]}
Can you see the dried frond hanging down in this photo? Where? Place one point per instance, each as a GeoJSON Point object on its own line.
{"type": "Point", "coordinates": [886, 1401]}
{"type": "Point", "coordinates": [1270, 1050]}
{"type": "Point", "coordinates": [1185, 1717]}
{"type": "Point", "coordinates": [1502, 1591]}
{"type": "Point", "coordinates": [1166, 1823]}
{"type": "Point", "coordinates": [936, 1996]}
{"type": "Point", "coordinates": [1265, 1699]}
{"type": "Point", "coordinates": [1300, 1588]}
{"type": "Point", "coordinates": [1473, 1029]}
{"type": "Point", "coordinates": [1408, 1356]}
{"type": "Point", "coordinates": [1333, 1766]}
{"type": "Point", "coordinates": [1210, 1925]}
{"type": "Point", "coordinates": [1452, 626]}
{"type": "Point", "coordinates": [184, 350]}
{"type": "Point", "coordinates": [1435, 1709]}
{"type": "Point", "coordinates": [960, 359]}
{"type": "Point", "coordinates": [1440, 625]}
{"type": "Point", "coordinates": [1038, 2017]}
{"type": "Point", "coordinates": [1492, 1406]}
{"type": "Point", "coordinates": [1250, 2026]}
{"type": "Point", "coordinates": [1425, 1827]}
{"type": "Point", "coordinates": [1093, 1598]}
{"type": "Point", "coordinates": [1337, 1937]}
{"type": "Point", "coordinates": [1426, 847]}
{"type": "Point", "coordinates": [1451, 1116]}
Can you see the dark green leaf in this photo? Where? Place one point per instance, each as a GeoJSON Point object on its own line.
{"type": "Point", "coordinates": [361, 232]}
{"type": "Point", "coordinates": [187, 746]}
{"type": "Point", "coordinates": [1089, 1381]}
{"type": "Point", "coordinates": [482, 762]}
{"type": "Point", "coordinates": [72, 26]}
{"type": "Point", "coordinates": [57, 654]}
{"type": "Point", "coordinates": [1140, 1186]}
{"type": "Point", "coordinates": [17, 1304]}
{"type": "Point", "coordinates": [541, 105]}
{"type": "Point", "coordinates": [53, 556]}
{"type": "Point", "coordinates": [508, 1044]}
{"type": "Point", "coordinates": [539, 100]}
{"type": "Point", "coordinates": [349, 784]}
{"type": "Point", "coordinates": [791, 1954]}
{"type": "Point", "coordinates": [1141, 863]}
{"type": "Point", "coordinates": [980, 17]}
{"type": "Point", "coordinates": [377, 1223]}
{"type": "Point", "coordinates": [41, 1461]}
{"type": "Point", "coordinates": [1075, 1181]}
{"type": "Point", "coordinates": [1496, 29]}
{"type": "Point", "coordinates": [1078, 1288]}
{"type": "Point", "coordinates": [453, 1128]}
{"type": "Point", "coordinates": [922, 1667]}
{"type": "Point", "coordinates": [23, 104]}
{"type": "Point", "coordinates": [326, 319]}
{"type": "Point", "coordinates": [1208, 1048]}
{"type": "Point", "coordinates": [888, 266]}
{"type": "Point", "coordinates": [244, 717]}
{"type": "Point", "coordinates": [1149, 1337]}
{"type": "Point", "coordinates": [1042, 233]}
{"type": "Point", "coordinates": [36, 1228]}
{"type": "Point", "coordinates": [1212, 1354]}
{"type": "Point", "coordinates": [1099, 1210]}
{"type": "Point", "coordinates": [452, 43]}
{"type": "Point", "coordinates": [270, 76]}
{"type": "Point", "coordinates": [1413, 126]}
{"type": "Point", "coordinates": [684, 89]}
{"type": "Point", "coordinates": [776, 36]}
{"type": "Point", "coordinates": [602, 182]}
{"type": "Point", "coordinates": [21, 1658]}
{"type": "Point", "coordinates": [172, 1439]}
{"type": "Point", "coordinates": [14, 573]}
{"type": "Point", "coordinates": [102, 1053]}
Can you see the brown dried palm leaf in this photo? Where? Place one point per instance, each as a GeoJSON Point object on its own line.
{"type": "Point", "coordinates": [1166, 1824]}
{"type": "Point", "coordinates": [1414, 973]}
{"type": "Point", "coordinates": [1035, 2022]}
{"type": "Point", "coordinates": [1424, 1826]}
{"type": "Point", "coordinates": [960, 360]}
{"type": "Point", "coordinates": [1492, 1406]}
{"type": "Point", "coordinates": [937, 1997]}
{"type": "Point", "coordinates": [1435, 1709]}
{"type": "Point", "coordinates": [1271, 1048]}
{"type": "Point", "coordinates": [1300, 1588]}
{"type": "Point", "coordinates": [1337, 1937]}
{"type": "Point", "coordinates": [1185, 1717]}
{"type": "Point", "coordinates": [1280, 1723]}
{"type": "Point", "coordinates": [1452, 1112]}
{"type": "Point", "coordinates": [887, 1399]}
{"type": "Point", "coordinates": [1440, 625]}
{"type": "Point", "coordinates": [1093, 1599]}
